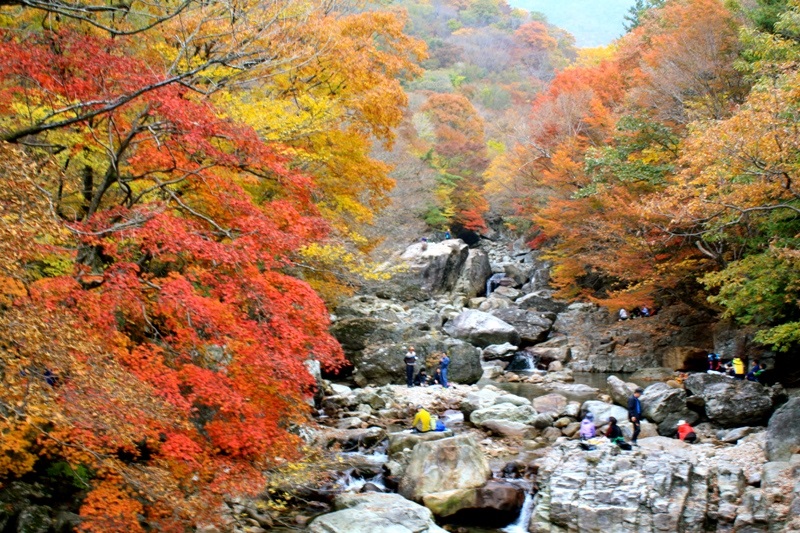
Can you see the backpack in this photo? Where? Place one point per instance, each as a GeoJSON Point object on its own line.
{"type": "Point", "coordinates": [440, 426]}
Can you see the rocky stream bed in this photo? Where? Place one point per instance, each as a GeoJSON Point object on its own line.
{"type": "Point", "coordinates": [510, 459]}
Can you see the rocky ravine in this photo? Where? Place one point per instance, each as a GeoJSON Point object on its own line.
{"type": "Point", "coordinates": [742, 477]}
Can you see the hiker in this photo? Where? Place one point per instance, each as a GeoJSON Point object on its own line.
{"type": "Point", "coordinates": [645, 311]}
{"type": "Point", "coordinates": [411, 361]}
{"type": "Point", "coordinates": [686, 432]}
{"type": "Point", "coordinates": [422, 379]}
{"type": "Point", "coordinates": [447, 236]}
{"type": "Point", "coordinates": [588, 431]}
{"type": "Point", "coordinates": [614, 434]}
{"type": "Point", "coordinates": [623, 314]}
{"type": "Point", "coordinates": [738, 368]}
{"type": "Point", "coordinates": [422, 420]}
{"type": "Point", "coordinates": [444, 365]}
{"type": "Point", "coordinates": [714, 364]}
{"type": "Point", "coordinates": [636, 312]}
{"type": "Point", "coordinates": [754, 372]}
{"type": "Point", "coordinates": [436, 378]}
{"type": "Point", "coordinates": [635, 414]}
{"type": "Point", "coordinates": [424, 242]}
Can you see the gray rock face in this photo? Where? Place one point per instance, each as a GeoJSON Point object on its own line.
{"type": "Point", "coordinates": [447, 464]}
{"type": "Point", "coordinates": [532, 327]}
{"type": "Point", "coordinates": [554, 404]}
{"type": "Point", "coordinates": [371, 512]}
{"type": "Point", "coordinates": [432, 268]}
{"type": "Point", "coordinates": [481, 329]}
{"type": "Point", "coordinates": [783, 432]}
{"type": "Point", "coordinates": [730, 402]}
{"type": "Point", "coordinates": [402, 441]}
{"type": "Point", "coordinates": [664, 486]}
{"type": "Point", "coordinates": [472, 281]}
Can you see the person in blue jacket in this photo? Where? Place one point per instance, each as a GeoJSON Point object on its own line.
{"type": "Point", "coordinates": [635, 414]}
{"type": "Point", "coordinates": [444, 364]}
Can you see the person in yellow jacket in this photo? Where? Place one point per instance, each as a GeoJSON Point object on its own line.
{"type": "Point", "coordinates": [422, 420]}
{"type": "Point", "coordinates": [738, 368]}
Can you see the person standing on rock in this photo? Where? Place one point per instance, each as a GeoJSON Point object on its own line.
{"type": "Point", "coordinates": [635, 414]}
{"type": "Point", "coordinates": [444, 364]}
{"type": "Point", "coordinates": [411, 362]}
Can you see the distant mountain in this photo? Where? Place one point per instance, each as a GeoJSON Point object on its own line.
{"type": "Point", "coordinates": [592, 22]}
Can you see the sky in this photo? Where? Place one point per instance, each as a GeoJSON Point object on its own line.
{"type": "Point", "coordinates": [592, 22]}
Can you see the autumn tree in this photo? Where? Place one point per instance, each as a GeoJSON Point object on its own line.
{"type": "Point", "coordinates": [459, 154]}
{"type": "Point", "coordinates": [160, 336]}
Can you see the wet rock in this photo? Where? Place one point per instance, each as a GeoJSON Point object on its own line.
{"type": "Point", "coordinates": [556, 349]}
{"type": "Point", "coordinates": [481, 329]}
{"type": "Point", "coordinates": [519, 272]}
{"type": "Point", "coordinates": [783, 432]}
{"type": "Point", "coordinates": [447, 464]}
{"type": "Point", "coordinates": [494, 505]}
{"type": "Point", "coordinates": [372, 512]}
{"type": "Point", "coordinates": [730, 402]}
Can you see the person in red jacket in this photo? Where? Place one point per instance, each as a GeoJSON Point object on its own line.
{"type": "Point", "coordinates": [686, 432]}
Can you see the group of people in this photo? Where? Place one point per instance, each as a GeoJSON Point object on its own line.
{"type": "Point", "coordinates": [588, 430]}
{"type": "Point", "coordinates": [636, 312]}
{"type": "Point", "coordinates": [736, 368]}
{"type": "Point", "coordinates": [422, 379]}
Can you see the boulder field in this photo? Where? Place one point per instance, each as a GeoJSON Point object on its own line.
{"type": "Point", "coordinates": [512, 437]}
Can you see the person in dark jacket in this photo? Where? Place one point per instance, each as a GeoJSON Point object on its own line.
{"type": "Point", "coordinates": [635, 414]}
{"type": "Point", "coordinates": [422, 379]}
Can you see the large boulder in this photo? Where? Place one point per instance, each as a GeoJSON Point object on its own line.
{"type": "Point", "coordinates": [402, 440]}
{"type": "Point", "coordinates": [602, 411]}
{"type": "Point", "coordinates": [382, 364]}
{"type": "Point", "coordinates": [552, 403]}
{"type": "Point", "coordinates": [532, 327]}
{"type": "Point", "coordinates": [499, 351]}
{"type": "Point", "coordinates": [496, 504]}
{"type": "Point", "coordinates": [447, 464]}
{"type": "Point", "coordinates": [372, 511]}
{"type": "Point", "coordinates": [666, 406]}
{"type": "Point", "coordinates": [730, 402]}
{"type": "Point", "coordinates": [429, 269]}
{"type": "Point", "coordinates": [481, 329]}
{"type": "Point", "coordinates": [783, 432]}
{"type": "Point", "coordinates": [619, 390]}
{"type": "Point", "coordinates": [356, 333]}
{"type": "Point", "coordinates": [472, 281]}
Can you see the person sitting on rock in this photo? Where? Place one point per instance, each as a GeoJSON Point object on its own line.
{"type": "Point", "coordinates": [714, 364]}
{"type": "Point", "coordinates": [645, 311]}
{"type": "Point", "coordinates": [623, 314]}
{"type": "Point", "coordinates": [738, 367]}
{"type": "Point", "coordinates": [588, 430]}
{"type": "Point", "coordinates": [614, 434]}
{"type": "Point", "coordinates": [751, 376]}
{"type": "Point", "coordinates": [686, 432]}
{"type": "Point", "coordinates": [422, 420]}
{"type": "Point", "coordinates": [437, 378]}
{"type": "Point", "coordinates": [421, 379]}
